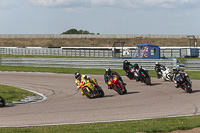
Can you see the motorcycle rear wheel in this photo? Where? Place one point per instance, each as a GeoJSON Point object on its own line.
{"type": "Point", "coordinates": [148, 80]}
{"type": "Point", "coordinates": [101, 93]}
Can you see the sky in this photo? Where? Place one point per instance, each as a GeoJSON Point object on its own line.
{"type": "Point", "coordinates": [181, 17]}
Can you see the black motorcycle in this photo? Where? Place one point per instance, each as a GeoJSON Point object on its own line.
{"type": "Point", "coordinates": [130, 73]}
{"type": "Point", "coordinates": [184, 82]}
{"type": "Point", "coordinates": [144, 76]}
{"type": "Point", "coordinates": [2, 102]}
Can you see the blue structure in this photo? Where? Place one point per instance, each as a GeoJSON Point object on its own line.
{"type": "Point", "coordinates": [146, 51]}
{"type": "Point", "coordinates": [142, 51]}
{"type": "Point", "coordinates": [190, 52]}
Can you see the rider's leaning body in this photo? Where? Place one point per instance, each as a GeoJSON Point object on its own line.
{"type": "Point", "coordinates": [79, 78]}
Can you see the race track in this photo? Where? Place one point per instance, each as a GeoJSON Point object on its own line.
{"type": "Point", "coordinates": [65, 104]}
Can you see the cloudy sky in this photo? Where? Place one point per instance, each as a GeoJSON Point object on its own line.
{"type": "Point", "coordinates": [100, 16]}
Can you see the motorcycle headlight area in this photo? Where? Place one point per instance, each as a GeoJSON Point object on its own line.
{"type": "Point", "coordinates": [109, 82]}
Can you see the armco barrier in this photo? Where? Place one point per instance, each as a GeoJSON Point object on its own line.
{"type": "Point", "coordinates": [82, 51]}
{"type": "Point", "coordinates": [192, 64]}
{"type": "Point", "coordinates": [84, 63]}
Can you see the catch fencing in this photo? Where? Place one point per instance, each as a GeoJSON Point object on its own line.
{"type": "Point", "coordinates": [84, 63]}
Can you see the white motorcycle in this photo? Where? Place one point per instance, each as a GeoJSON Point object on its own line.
{"type": "Point", "coordinates": [166, 73]}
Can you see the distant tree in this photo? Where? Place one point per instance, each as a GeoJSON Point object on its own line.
{"type": "Point", "coordinates": [71, 31]}
{"type": "Point", "coordinates": [75, 31]}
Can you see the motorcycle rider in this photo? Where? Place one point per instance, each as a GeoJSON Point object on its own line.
{"type": "Point", "coordinates": [81, 78]}
{"type": "Point", "coordinates": [176, 71]}
{"type": "Point", "coordinates": [137, 70]}
{"type": "Point", "coordinates": [107, 74]}
{"type": "Point", "coordinates": [158, 69]}
{"type": "Point", "coordinates": [126, 66]}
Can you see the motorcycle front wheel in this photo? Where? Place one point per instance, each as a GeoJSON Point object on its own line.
{"type": "Point", "coordinates": [119, 90]}
{"type": "Point", "coordinates": [88, 94]}
{"type": "Point", "coordinates": [188, 88]}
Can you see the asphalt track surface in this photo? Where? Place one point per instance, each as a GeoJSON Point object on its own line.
{"type": "Point", "coordinates": [66, 105]}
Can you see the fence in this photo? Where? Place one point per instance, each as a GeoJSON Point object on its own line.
{"type": "Point", "coordinates": [92, 36]}
{"type": "Point", "coordinates": [192, 64]}
{"type": "Point", "coordinates": [82, 51]}
{"type": "Point", "coordinates": [83, 63]}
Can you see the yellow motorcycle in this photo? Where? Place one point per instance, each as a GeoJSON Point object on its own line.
{"type": "Point", "coordinates": [91, 89]}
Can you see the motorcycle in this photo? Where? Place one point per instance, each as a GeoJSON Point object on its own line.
{"type": "Point", "coordinates": [130, 73]}
{"type": "Point", "coordinates": [91, 90]}
{"type": "Point", "coordinates": [2, 102]}
{"type": "Point", "coordinates": [184, 82]}
{"type": "Point", "coordinates": [144, 76]}
{"type": "Point", "coordinates": [117, 85]}
{"type": "Point", "coordinates": [166, 73]}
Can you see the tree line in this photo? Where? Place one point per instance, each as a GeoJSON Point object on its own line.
{"type": "Point", "coordinates": [75, 31]}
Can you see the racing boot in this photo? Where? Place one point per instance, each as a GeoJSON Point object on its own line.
{"type": "Point", "coordinates": [176, 84]}
{"type": "Point", "coordinates": [82, 93]}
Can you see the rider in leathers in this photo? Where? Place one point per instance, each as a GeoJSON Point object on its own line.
{"type": "Point", "coordinates": [137, 71]}
{"type": "Point", "coordinates": [158, 69]}
{"type": "Point", "coordinates": [79, 78]}
{"type": "Point", "coordinates": [176, 71]}
{"type": "Point", "coordinates": [126, 66]}
{"type": "Point", "coordinates": [107, 74]}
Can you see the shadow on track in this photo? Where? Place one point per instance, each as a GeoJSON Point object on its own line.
{"type": "Point", "coordinates": [108, 96]}
{"type": "Point", "coordinates": [154, 84]}
{"type": "Point", "coordinates": [132, 92]}
{"type": "Point", "coordinates": [195, 91]}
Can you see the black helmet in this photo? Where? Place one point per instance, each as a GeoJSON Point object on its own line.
{"type": "Point", "coordinates": [126, 62]}
{"type": "Point", "coordinates": [107, 70]}
{"type": "Point", "coordinates": [136, 66]}
{"type": "Point", "coordinates": [77, 74]}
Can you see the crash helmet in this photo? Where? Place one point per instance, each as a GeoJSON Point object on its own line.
{"type": "Point", "coordinates": [176, 68]}
{"type": "Point", "coordinates": [157, 63]}
{"type": "Point", "coordinates": [77, 75]}
{"type": "Point", "coordinates": [136, 66]}
{"type": "Point", "coordinates": [107, 70]}
{"type": "Point", "coordinates": [126, 62]}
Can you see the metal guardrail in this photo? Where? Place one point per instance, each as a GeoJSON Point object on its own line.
{"type": "Point", "coordinates": [192, 64]}
{"type": "Point", "coordinates": [91, 52]}
{"type": "Point", "coordinates": [84, 63]}
{"type": "Point", "coordinates": [82, 51]}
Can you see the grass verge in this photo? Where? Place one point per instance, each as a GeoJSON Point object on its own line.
{"type": "Point", "coordinates": [149, 126]}
{"type": "Point", "coordinates": [11, 94]}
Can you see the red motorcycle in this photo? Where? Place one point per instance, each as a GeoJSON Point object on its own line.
{"type": "Point", "coordinates": [117, 85]}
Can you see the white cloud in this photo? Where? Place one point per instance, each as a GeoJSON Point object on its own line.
{"type": "Point", "coordinates": [103, 2]}
{"type": "Point", "coordinates": [119, 3]}
{"type": "Point", "coordinates": [61, 3]}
